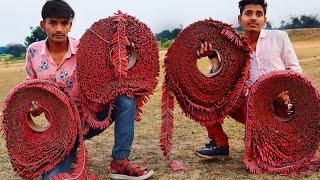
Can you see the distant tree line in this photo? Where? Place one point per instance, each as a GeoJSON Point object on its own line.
{"type": "Point", "coordinates": [18, 50]}
{"type": "Point", "coordinates": [303, 21]}
{"type": "Point", "coordinates": [4, 50]}
{"type": "Point", "coordinates": [164, 37]}
{"type": "Point", "coordinates": [169, 35]}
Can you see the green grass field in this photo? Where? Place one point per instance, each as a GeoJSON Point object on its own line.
{"type": "Point", "coordinates": [188, 135]}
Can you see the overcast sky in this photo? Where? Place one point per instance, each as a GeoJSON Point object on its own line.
{"type": "Point", "coordinates": [18, 15]}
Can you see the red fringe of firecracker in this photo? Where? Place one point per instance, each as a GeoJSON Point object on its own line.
{"type": "Point", "coordinates": [240, 41]}
{"type": "Point", "coordinates": [166, 134]}
{"type": "Point", "coordinates": [167, 108]}
{"type": "Point", "coordinates": [202, 113]}
{"type": "Point", "coordinates": [81, 170]}
{"type": "Point", "coordinates": [103, 65]}
{"type": "Point", "coordinates": [119, 57]}
{"type": "Point", "coordinates": [32, 153]}
{"type": "Point", "coordinates": [91, 119]}
{"type": "Point", "coordinates": [266, 151]}
{"type": "Point", "coordinates": [191, 89]}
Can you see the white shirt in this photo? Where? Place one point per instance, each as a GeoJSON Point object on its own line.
{"type": "Point", "coordinates": [274, 51]}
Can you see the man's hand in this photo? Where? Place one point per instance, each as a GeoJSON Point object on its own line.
{"type": "Point", "coordinates": [283, 98]}
{"type": "Point", "coordinates": [283, 105]}
{"type": "Point", "coordinates": [130, 44]}
{"type": "Point", "coordinates": [206, 50]}
{"type": "Point", "coordinates": [36, 109]}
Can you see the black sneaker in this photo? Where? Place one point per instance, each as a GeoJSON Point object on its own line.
{"type": "Point", "coordinates": [213, 151]}
{"type": "Point", "coordinates": [210, 144]}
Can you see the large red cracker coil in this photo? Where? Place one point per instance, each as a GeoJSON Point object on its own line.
{"type": "Point", "coordinates": [33, 152]}
{"type": "Point", "coordinates": [275, 145]}
{"type": "Point", "coordinates": [206, 100]}
{"type": "Point", "coordinates": [103, 60]}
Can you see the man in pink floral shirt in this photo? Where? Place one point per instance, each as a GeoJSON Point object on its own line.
{"type": "Point", "coordinates": [41, 65]}
{"type": "Point", "coordinates": [272, 51]}
{"type": "Point", "coordinates": [54, 59]}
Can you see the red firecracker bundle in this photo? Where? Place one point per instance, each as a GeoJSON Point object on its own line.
{"type": "Point", "coordinates": [206, 100]}
{"type": "Point", "coordinates": [105, 70]}
{"type": "Point", "coordinates": [35, 149]}
{"type": "Point", "coordinates": [287, 143]}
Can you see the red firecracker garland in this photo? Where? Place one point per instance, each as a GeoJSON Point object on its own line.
{"type": "Point", "coordinates": [34, 149]}
{"type": "Point", "coordinates": [104, 56]}
{"type": "Point", "coordinates": [206, 100]}
{"type": "Point", "coordinates": [279, 144]}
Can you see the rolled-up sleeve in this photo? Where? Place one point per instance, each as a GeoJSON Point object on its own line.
{"type": "Point", "coordinates": [30, 73]}
{"type": "Point", "coordinates": [289, 56]}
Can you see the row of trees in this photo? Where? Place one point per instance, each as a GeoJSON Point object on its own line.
{"type": "Point", "coordinates": [18, 50]}
{"type": "Point", "coordinates": [296, 22]}
{"type": "Point", "coordinates": [36, 35]}
{"type": "Point", "coordinates": [166, 34]}
{"type": "Point", "coordinates": [303, 21]}
{"type": "Point", "coordinates": [4, 50]}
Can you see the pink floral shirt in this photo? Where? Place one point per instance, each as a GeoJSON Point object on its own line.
{"type": "Point", "coordinates": [274, 52]}
{"type": "Point", "coordinates": [40, 65]}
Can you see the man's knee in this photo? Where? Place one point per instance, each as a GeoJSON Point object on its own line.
{"type": "Point", "coordinates": [124, 101]}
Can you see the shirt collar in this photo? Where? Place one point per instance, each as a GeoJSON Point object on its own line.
{"type": "Point", "coordinates": [72, 47]}
{"type": "Point", "coordinates": [70, 52]}
{"type": "Point", "coordinates": [263, 33]}
{"type": "Point", "coordinates": [44, 46]}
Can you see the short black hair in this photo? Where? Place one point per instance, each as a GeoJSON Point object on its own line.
{"type": "Point", "coordinates": [57, 9]}
{"type": "Point", "coordinates": [243, 3]}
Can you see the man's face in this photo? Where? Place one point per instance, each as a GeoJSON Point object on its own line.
{"type": "Point", "coordinates": [57, 29]}
{"type": "Point", "coordinates": [252, 18]}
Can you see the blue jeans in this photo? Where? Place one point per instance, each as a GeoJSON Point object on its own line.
{"type": "Point", "coordinates": [124, 115]}
{"type": "Point", "coordinates": [64, 165]}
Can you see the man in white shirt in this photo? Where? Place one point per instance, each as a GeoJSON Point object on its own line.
{"type": "Point", "coordinates": [271, 51]}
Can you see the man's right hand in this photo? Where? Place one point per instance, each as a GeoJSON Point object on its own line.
{"type": "Point", "coordinates": [206, 50]}
{"type": "Point", "coordinates": [283, 98]}
{"type": "Point", "coordinates": [36, 109]}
